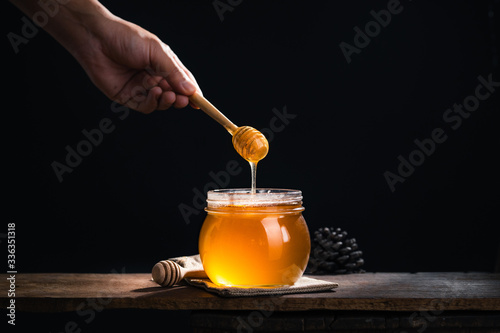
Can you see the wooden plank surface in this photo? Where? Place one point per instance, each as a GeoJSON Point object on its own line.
{"type": "Point", "coordinates": [55, 292]}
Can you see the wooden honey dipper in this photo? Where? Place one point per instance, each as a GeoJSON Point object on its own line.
{"type": "Point", "coordinates": [251, 144]}
{"type": "Point", "coordinates": [168, 273]}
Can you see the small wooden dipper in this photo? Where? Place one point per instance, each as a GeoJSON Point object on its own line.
{"type": "Point", "coordinates": [251, 144]}
{"type": "Point", "coordinates": [168, 273]}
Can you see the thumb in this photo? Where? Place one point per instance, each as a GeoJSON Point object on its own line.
{"type": "Point", "coordinates": [167, 64]}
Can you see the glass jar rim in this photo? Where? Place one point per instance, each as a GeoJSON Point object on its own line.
{"type": "Point", "coordinates": [261, 198]}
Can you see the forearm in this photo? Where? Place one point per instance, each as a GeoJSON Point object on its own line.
{"type": "Point", "coordinates": [71, 22]}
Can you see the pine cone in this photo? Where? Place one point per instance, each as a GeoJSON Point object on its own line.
{"type": "Point", "coordinates": [333, 253]}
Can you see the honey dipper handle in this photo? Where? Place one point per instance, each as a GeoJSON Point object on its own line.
{"type": "Point", "coordinates": [213, 112]}
{"type": "Point", "coordinates": [168, 273]}
{"type": "Point", "coordinates": [200, 274]}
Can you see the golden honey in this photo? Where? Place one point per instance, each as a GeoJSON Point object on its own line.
{"type": "Point", "coordinates": [254, 239]}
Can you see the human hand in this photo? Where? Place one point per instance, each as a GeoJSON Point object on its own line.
{"type": "Point", "coordinates": [134, 67]}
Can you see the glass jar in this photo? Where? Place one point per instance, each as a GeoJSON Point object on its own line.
{"type": "Point", "coordinates": [254, 239]}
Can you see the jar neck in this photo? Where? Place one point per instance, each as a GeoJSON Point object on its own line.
{"type": "Point", "coordinates": [268, 201]}
{"type": "Point", "coordinates": [267, 210]}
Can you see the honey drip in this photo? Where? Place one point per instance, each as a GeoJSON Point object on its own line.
{"type": "Point", "coordinates": [253, 168]}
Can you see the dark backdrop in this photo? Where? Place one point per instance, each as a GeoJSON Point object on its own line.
{"type": "Point", "coordinates": [119, 208]}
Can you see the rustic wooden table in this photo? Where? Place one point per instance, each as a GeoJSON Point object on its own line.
{"type": "Point", "coordinates": [381, 302]}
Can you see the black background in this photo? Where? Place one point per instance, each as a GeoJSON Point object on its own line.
{"type": "Point", "coordinates": [119, 209]}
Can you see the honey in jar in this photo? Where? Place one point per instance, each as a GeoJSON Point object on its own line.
{"type": "Point", "coordinates": [254, 239]}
